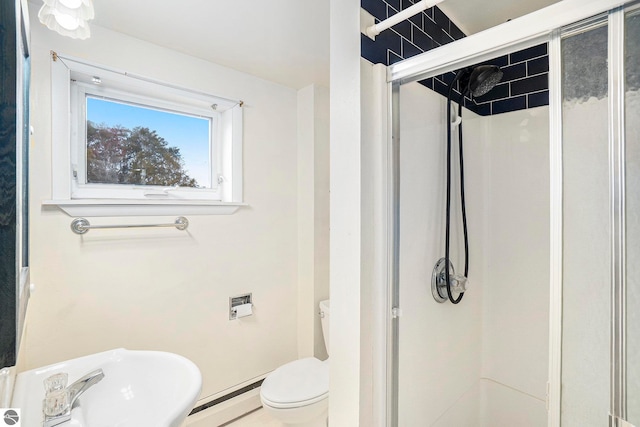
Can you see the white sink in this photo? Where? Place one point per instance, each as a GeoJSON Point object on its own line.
{"type": "Point", "coordinates": [139, 389]}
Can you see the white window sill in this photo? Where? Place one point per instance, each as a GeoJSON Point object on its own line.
{"type": "Point", "coordinates": [111, 207]}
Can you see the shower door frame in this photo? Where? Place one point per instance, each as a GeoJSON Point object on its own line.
{"type": "Point", "coordinates": [542, 26]}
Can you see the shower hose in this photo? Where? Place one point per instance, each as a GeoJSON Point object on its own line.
{"type": "Point", "coordinates": [462, 200]}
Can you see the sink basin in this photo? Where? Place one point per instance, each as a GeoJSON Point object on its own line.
{"type": "Point", "coordinates": [140, 388]}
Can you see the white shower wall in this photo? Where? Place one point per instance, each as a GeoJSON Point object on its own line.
{"type": "Point", "coordinates": [484, 361]}
{"type": "Point", "coordinates": [440, 347]}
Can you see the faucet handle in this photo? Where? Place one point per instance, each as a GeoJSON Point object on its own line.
{"type": "Point", "coordinates": [458, 283]}
{"type": "Point", "coordinates": [55, 382]}
{"type": "Point", "coordinates": [60, 399]}
{"type": "Point", "coordinates": [56, 403]}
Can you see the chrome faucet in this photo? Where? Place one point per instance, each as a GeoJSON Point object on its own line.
{"type": "Point", "coordinates": [58, 404]}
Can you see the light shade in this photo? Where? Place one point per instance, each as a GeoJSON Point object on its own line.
{"type": "Point", "coordinates": [67, 17]}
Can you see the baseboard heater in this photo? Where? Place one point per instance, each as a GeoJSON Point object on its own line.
{"type": "Point", "coordinates": [226, 397]}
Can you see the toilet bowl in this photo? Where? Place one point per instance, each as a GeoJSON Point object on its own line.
{"type": "Point", "coordinates": [297, 393]}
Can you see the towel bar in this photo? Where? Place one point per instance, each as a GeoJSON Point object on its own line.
{"type": "Point", "coordinates": [82, 225]}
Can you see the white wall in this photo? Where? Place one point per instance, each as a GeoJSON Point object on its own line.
{"type": "Point", "coordinates": [345, 257]}
{"type": "Point", "coordinates": [163, 289]}
{"type": "Point", "coordinates": [440, 345]}
{"type": "Point", "coordinates": [515, 258]}
{"type": "Point", "coordinates": [313, 217]}
{"type": "Point", "coordinates": [375, 246]}
{"type": "Point", "coordinates": [458, 363]}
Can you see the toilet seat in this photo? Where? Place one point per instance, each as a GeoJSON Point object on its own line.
{"type": "Point", "coordinates": [296, 384]}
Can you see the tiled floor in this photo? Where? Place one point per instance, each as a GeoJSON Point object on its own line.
{"type": "Point", "coordinates": [257, 418]}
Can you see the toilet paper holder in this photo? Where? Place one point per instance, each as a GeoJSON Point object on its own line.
{"type": "Point", "coordinates": [240, 306]}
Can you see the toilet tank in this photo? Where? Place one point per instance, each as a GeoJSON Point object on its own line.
{"type": "Point", "coordinates": [324, 319]}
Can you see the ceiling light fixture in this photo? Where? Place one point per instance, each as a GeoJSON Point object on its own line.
{"type": "Point", "coordinates": [67, 17]}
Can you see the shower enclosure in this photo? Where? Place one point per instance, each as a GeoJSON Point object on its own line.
{"type": "Point", "coordinates": [548, 332]}
{"type": "Point", "coordinates": [480, 345]}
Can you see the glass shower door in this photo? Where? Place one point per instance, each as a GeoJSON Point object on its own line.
{"type": "Point", "coordinates": [601, 222]}
{"type": "Point", "coordinates": [586, 281]}
{"type": "Point", "coordinates": [632, 196]}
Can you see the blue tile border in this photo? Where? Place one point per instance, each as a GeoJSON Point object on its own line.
{"type": "Point", "coordinates": [409, 49]}
{"type": "Point", "coordinates": [393, 58]}
{"type": "Point", "coordinates": [501, 91]}
{"type": "Point", "coordinates": [395, 4]}
{"type": "Point", "coordinates": [530, 84]}
{"type": "Point", "coordinates": [513, 72]}
{"type": "Point", "coordinates": [538, 66]}
{"type": "Point", "coordinates": [509, 104]}
{"type": "Point", "coordinates": [538, 99]}
{"type": "Point", "coordinates": [376, 8]}
{"type": "Point", "coordinates": [525, 81]}
{"type": "Point", "coordinates": [526, 54]}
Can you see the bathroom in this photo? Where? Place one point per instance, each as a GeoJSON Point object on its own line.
{"type": "Point", "coordinates": [169, 290]}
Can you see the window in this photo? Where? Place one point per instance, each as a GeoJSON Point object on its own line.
{"type": "Point", "coordinates": [127, 139]}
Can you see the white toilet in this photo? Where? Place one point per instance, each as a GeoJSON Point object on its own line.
{"type": "Point", "coordinates": [297, 394]}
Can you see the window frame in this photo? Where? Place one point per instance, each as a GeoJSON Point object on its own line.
{"type": "Point", "coordinates": [81, 189]}
{"type": "Point", "coordinates": [71, 79]}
